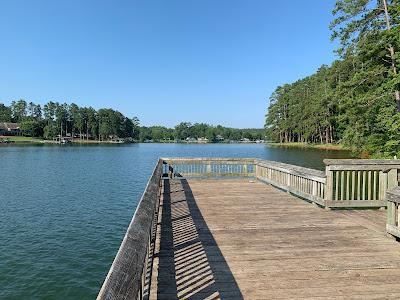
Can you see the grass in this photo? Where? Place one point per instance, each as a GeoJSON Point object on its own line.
{"type": "Point", "coordinates": [34, 140]}
{"type": "Point", "coordinates": [23, 139]}
{"type": "Point", "coordinates": [312, 146]}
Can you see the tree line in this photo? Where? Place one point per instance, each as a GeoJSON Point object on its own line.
{"type": "Point", "coordinates": [56, 119]}
{"type": "Point", "coordinates": [356, 100]}
{"type": "Point", "coordinates": [188, 131]}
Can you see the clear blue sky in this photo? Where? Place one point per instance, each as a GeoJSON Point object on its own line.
{"type": "Point", "coordinates": [165, 61]}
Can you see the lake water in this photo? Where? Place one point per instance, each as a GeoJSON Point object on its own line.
{"type": "Point", "coordinates": [65, 210]}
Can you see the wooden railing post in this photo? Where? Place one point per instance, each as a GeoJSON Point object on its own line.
{"type": "Point", "coordinates": [391, 213]}
{"type": "Point", "coordinates": [315, 188]}
{"type": "Point", "coordinates": [383, 180]}
{"type": "Point", "coordinates": [393, 202]}
{"type": "Point", "coordinates": [329, 184]}
{"type": "Point", "coordinates": [387, 181]}
{"type": "Point", "coordinates": [391, 206]}
{"type": "Point", "coordinates": [392, 179]}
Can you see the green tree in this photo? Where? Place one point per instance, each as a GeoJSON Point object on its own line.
{"type": "Point", "coordinates": [49, 111]}
{"type": "Point", "coordinates": [50, 131]}
{"type": "Point", "coordinates": [92, 123]}
{"type": "Point", "coordinates": [370, 29]}
{"type": "Point", "coordinates": [136, 129]}
{"type": "Point", "coordinates": [5, 113]}
{"type": "Point", "coordinates": [61, 114]}
{"type": "Point", "coordinates": [18, 110]}
{"type": "Point", "coordinates": [210, 134]}
{"type": "Point", "coordinates": [31, 127]}
{"type": "Point", "coordinates": [182, 130]}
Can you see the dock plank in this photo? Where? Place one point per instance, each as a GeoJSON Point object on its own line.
{"type": "Point", "coordinates": [242, 239]}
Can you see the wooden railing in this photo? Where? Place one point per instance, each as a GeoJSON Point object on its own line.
{"type": "Point", "coordinates": [393, 212]}
{"type": "Point", "coordinates": [210, 167]}
{"type": "Point", "coordinates": [345, 183]}
{"type": "Point", "coordinates": [127, 277]}
{"type": "Point", "coordinates": [359, 182]}
{"type": "Point", "coordinates": [304, 182]}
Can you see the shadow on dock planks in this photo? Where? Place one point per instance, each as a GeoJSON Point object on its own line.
{"type": "Point", "coordinates": [190, 263]}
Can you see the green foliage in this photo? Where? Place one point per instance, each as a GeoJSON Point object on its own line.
{"type": "Point", "coordinates": [18, 110]}
{"type": "Point", "coordinates": [187, 131]}
{"type": "Point", "coordinates": [64, 119]}
{"type": "Point", "coordinates": [354, 101]}
{"type": "Point", "coordinates": [50, 131]}
{"type": "Point", "coordinates": [31, 126]}
{"type": "Point", "coordinates": [5, 113]}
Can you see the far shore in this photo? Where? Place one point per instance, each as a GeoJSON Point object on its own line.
{"type": "Point", "coordinates": [17, 140]}
{"type": "Point", "coordinates": [23, 140]}
{"type": "Point", "coordinates": [334, 147]}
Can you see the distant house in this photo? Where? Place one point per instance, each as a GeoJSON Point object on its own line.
{"type": "Point", "coordinates": [191, 140]}
{"type": "Point", "coordinates": [202, 140]}
{"type": "Point", "coordinates": [10, 128]}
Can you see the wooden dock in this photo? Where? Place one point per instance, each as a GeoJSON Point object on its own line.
{"type": "Point", "coordinates": [233, 239]}
{"type": "Point", "coordinates": [250, 229]}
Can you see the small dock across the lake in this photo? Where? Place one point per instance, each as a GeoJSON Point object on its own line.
{"type": "Point", "coordinates": [252, 229]}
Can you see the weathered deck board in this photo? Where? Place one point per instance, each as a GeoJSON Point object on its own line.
{"type": "Point", "coordinates": [235, 239]}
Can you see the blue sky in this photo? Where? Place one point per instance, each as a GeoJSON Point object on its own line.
{"type": "Point", "coordinates": [165, 61]}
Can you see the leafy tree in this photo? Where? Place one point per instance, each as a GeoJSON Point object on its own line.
{"type": "Point", "coordinates": [92, 126]}
{"type": "Point", "coordinates": [32, 127]}
{"type": "Point", "coordinates": [145, 134]}
{"type": "Point", "coordinates": [182, 130]}
{"type": "Point", "coordinates": [135, 128]}
{"type": "Point", "coordinates": [49, 111]}
{"type": "Point", "coordinates": [18, 110]}
{"type": "Point", "coordinates": [75, 119]}
{"type": "Point", "coordinates": [210, 134]}
{"type": "Point", "coordinates": [61, 113]}
{"type": "Point", "coordinates": [5, 113]}
{"type": "Point", "coordinates": [50, 131]}
{"type": "Point", "coordinates": [37, 112]}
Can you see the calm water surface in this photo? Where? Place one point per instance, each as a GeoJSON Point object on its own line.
{"type": "Point", "coordinates": [64, 210]}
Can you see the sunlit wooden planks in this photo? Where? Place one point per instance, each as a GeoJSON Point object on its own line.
{"type": "Point", "coordinates": [258, 242]}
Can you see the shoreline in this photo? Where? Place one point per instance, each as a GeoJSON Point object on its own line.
{"type": "Point", "coordinates": [330, 147]}
{"type": "Point", "coordinates": [21, 140]}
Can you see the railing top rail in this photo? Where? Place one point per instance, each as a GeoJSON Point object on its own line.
{"type": "Point", "coordinates": [376, 162]}
{"type": "Point", "coordinates": [207, 159]}
{"type": "Point", "coordinates": [393, 195]}
{"type": "Point", "coordinates": [123, 280]}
